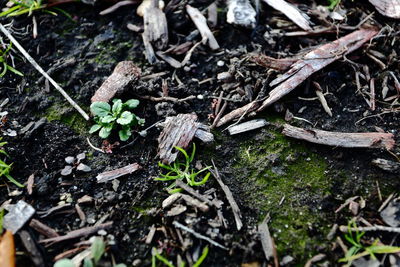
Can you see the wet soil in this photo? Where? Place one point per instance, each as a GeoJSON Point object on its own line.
{"type": "Point", "coordinates": [260, 167]}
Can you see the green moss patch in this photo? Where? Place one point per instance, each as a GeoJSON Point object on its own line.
{"type": "Point", "coordinates": [283, 178]}
{"type": "Point", "coordinates": [69, 117]}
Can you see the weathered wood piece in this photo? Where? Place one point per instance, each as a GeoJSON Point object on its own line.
{"type": "Point", "coordinates": [387, 165]}
{"type": "Point", "coordinates": [241, 13]}
{"type": "Point", "coordinates": [247, 126]}
{"type": "Point", "coordinates": [111, 175]}
{"type": "Point", "coordinates": [32, 248]}
{"type": "Point", "coordinates": [315, 61]}
{"type": "Point", "coordinates": [293, 13]}
{"type": "Point", "coordinates": [368, 140]}
{"type": "Point", "coordinates": [201, 23]}
{"type": "Point", "coordinates": [125, 73]}
{"type": "Point", "coordinates": [179, 131]}
{"type": "Point", "coordinates": [155, 25]}
{"type": "Point", "coordinates": [281, 64]}
{"type": "Point", "coordinates": [389, 8]}
{"type": "Point", "coordinates": [78, 233]}
{"type": "Point", "coordinates": [43, 229]}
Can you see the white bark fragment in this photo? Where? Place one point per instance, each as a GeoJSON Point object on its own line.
{"type": "Point", "coordinates": [241, 13]}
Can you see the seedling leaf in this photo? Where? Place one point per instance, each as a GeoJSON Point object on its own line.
{"type": "Point", "coordinates": [126, 118]}
{"type": "Point", "coordinates": [132, 103]}
{"type": "Point", "coordinates": [100, 109]}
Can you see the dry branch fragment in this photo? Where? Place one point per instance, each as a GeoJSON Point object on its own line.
{"type": "Point", "coordinates": [201, 23]}
{"type": "Point", "coordinates": [238, 113]}
{"type": "Point", "coordinates": [292, 12]}
{"type": "Point", "coordinates": [281, 64]}
{"type": "Point", "coordinates": [32, 248]}
{"type": "Point", "coordinates": [315, 61]}
{"type": "Point", "coordinates": [179, 131]}
{"type": "Point", "coordinates": [370, 140]}
{"type": "Point", "coordinates": [389, 8]}
{"type": "Point", "coordinates": [155, 25]}
{"type": "Point", "coordinates": [242, 13]}
{"type": "Point", "coordinates": [111, 175]}
{"type": "Point", "coordinates": [228, 193]}
{"type": "Point", "coordinates": [247, 126]}
{"type": "Point", "coordinates": [125, 73]}
{"type": "Point", "coordinates": [78, 233]}
{"type": "Point", "coordinates": [43, 229]}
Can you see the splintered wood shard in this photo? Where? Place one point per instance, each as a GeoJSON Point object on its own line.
{"type": "Point", "coordinates": [292, 12]}
{"type": "Point", "coordinates": [155, 25]}
{"type": "Point", "coordinates": [111, 175]}
{"type": "Point", "coordinates": [387, 165]}
{"type": "Point", "coordinates": [315, 61]}
{"type": "Point", "coordinates": [201, 24]}
{"type": "Point", "coordinates": [179, 131]}
{"type": "Point", "coordinates": [125, 73]}
{"type": "Point", "coordinates": [389, 8]}
{"type": "Point", "coordinates": [352, 140]}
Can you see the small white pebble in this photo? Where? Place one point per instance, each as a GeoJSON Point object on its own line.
{"type": "Point", "coordinates": [220, 63]}
{"type": "Point", "coordinates": [201, 97]}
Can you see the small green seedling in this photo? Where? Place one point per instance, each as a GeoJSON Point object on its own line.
{"type": "Point", "coordinates": [117, 117]}
{"type": "Point", "coordinates": [5, 168]}
{"type": "Point", "coordinates": [183, 171]}
{"type": "Point", "coordinates": [156, 256]}
{"type": "Point", "coordinates": [3, 61]}
{"type": "Point", "coordinates": [333, 4]}
{"type": "Point", "coordinates": [21, 7]}
{"type": "Point", "coordinates": [359, 250]}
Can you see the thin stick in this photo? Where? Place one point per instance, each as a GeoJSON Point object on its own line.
{"type": "Point", "coordinates": [345, 229]}
{"type": "Point", "coordinates": [36, 65]}
{"type": "Point", "coordinates": [198, 235]}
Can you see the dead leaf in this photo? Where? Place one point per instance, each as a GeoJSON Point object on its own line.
{"type": "Point", "coordinates": [7, 250]}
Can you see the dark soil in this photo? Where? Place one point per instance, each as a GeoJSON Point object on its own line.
{"type": "Point", "coordinates": [98, 43]}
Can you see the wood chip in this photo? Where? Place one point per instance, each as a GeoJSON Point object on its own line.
{"type": "Point", "coordinates": [150, 235]}
{"type": "Point", "coordinates": [368, 140]}
{"type": "Point", "coordinates": [195, 203]}
{"type": "Point", "coordinates": [201, 23]}
{"type": "Point", "coordinates": [78, 233]}
{"type": "Point", "coordinates": [111, 175]}
{"type": "Point", "coordinates": [389, 8]}
{"type": "Point", "coordinates": [190, 190]}
{"type": "Point", "coordinates": [247, 126]}
{"type": "Point", "coordinates": [292, 12]}
{"type": "Point", "coordinates": [18, 215]}
{"type": "Point", "coordinates": [175, 211]}
{"type": "Point", "coordinates": [124, 74]}
{"type": "Point", "coordinates": [179, 131]}
{"type": "Point", "coordinates": [155, 25]}
{"type": "Point", "coordinates": [315, 61]}
{"type": "Point", "coordinates": [237, 113]}
{"type": "Point", "coordinates": [171, 200]}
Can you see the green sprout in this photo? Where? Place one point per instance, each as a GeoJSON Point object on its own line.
{"type": "Point", "coordinates": [3, 61]}
{"type": "Point", "coordinates": [118, 117]}
{"type": "Point", "coordinates": [156, 256]}
{"type": "Point", "coordinates": [5, 168]}
{"type": "Point", "coordinates": [1, 220]}
{"type": "Point", "coordinates": [183, 171]}
{"type": "Point", "coordinates": [333, 4]}
{"type": "Point", "coordinates": [359, 250]}
{"type": "Point", "coordinates": [21, 7]}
